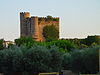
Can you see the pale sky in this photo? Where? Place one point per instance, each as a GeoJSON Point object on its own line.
{"type": "Point", "coordinates": [78, 18]}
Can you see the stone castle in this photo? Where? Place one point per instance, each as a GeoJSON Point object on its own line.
{"type": "Point", "coordinates": [32, 26]}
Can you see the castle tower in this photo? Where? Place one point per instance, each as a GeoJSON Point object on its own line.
{"type": "Point", "coordinates": [23, 25]}
{"type": "Point", "coordinates": [35, 28]}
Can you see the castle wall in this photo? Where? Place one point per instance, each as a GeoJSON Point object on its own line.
{"type": "Point", "coordinates": [44, 22]}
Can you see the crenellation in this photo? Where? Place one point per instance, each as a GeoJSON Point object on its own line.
{"type": "Point", "coordinates": [32, 26]}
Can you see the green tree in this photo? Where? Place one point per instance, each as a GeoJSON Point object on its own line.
{"type": "Point", "coordinates": [56, 59]}
{"type": "Point", "coordinates": [92, 39]}
{"type": "Point", "coordinates": [37, 59]}
{"type": "Point", "coordinates": [83, 46]}
{"type": "Point", "coordinates": [85, 60]}
{"type": "Point", "coordinates": [10, 59]}
{"type": "Point", "coordinates": [26, 41]}
{"type": "Point", "coordinates": [50, 32]}
{"type": "Point", "coordinates": [49, 18]}
{"type": "Point", "coordinates": [63, 45]}
{"type": "Point", "coordinates": [91, 60]}
{"type": "Point", "coordinates": [1, 44]}
{"type": "Point", "coordinates": [66, 63]}
{"type": "Point", "coordinates": [76, 62]}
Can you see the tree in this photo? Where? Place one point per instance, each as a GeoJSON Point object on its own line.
{"type": "Point", "coordinates": [63, 45]}
{"type": "Point", "coordinates": [92, 39]}
{"type": "Point", "coordinates": [50, 32]}
{"type": "Point", "coordinates": [85, 60]}
{"type": "Point", "coordinates": [56, 59]}
{"type": "Point", "coordinates": [1, 44]}
{"type": "Point", "coordinates": [76, 62]}
{"type": "Point", "coordinates": [26, 41]}
{"type": "Point", "coordinates": [10, 59]}
{"type": "Point", "coordinates": [37, 59]}
{"type": "Point", "coordinates": [83, 46]}
{"type": "Point", "coordinates": [49, 18]}
{"type": "Point", "coordinates": [91, 60]}
{"type": "Point", "coordinates": [66, 63]}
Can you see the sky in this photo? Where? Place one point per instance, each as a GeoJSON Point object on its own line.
{"type": "Point", "coordinates": [78, 18]}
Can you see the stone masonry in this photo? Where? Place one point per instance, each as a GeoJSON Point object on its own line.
{"type": "Point", "coordinates": [33, 26]}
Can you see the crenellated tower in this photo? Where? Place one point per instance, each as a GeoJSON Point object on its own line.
{"type": "Point", "coordinates": [23, 21]}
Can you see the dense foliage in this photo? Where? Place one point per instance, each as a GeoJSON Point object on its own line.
{"type": "Point", "coordinates": [26, 41]}
{"type": "Point", "coordinates": [35, 59]}
{"type": "Point", "coordinates": [85, 60]}
{"type": "Point", "coordinates": [41, 59]}
{"type": "Point", "coordinates": [87, 42]}
{"type": "Point", "coordinates": [1, 44]}
{"type": "Point", "coordinates": [50, 18]}
{"type": "Point", "coordinates": [28, 55]}
{"type": "Point", "coordinates": [50, 32]}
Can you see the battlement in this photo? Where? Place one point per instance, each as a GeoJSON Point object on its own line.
{"type": "Point", "coordinates": [24, 13]}
{"type": "Point", "coordinates": [47, 17]}
{"type": "Point", "coordinates": [34, 16]}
